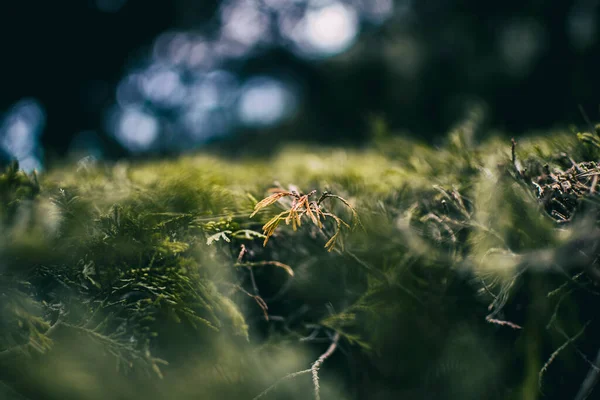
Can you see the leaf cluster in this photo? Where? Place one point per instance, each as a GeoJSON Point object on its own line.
{"type": "Point", "coordinates": [301, 207]}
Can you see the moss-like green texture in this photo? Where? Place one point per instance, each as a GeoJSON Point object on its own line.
{"type": "Point", "coordinates": [473, 264]}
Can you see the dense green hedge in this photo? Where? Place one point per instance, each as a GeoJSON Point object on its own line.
{"type": "Point", "coordinates": [468, 272]}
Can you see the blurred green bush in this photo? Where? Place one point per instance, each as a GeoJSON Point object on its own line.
{"type": "Point", "coordinates": [473, 276]}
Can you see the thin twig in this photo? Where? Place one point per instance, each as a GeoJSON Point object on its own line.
{"type": "Point", "coordinates": [503, 323]}
{"type": "Point", "coordinates": [581, 354]}
{"type": "Point", "coordinates": [250, 264]}
{"type": "Point", "coordinates": [557, 352]}
{"type": "Point", "coordinates": [285, 378]}
{"type": "Point", "coordinates": [243, 252]}
{"type": "Point", "coordinates": [557, 307]}
{"type": "Point", "coordinates": [314, 369]}
{"type": "Point", "coordinates": [317, 364]}
{"type": "Point", "coordinates": [259, 300]}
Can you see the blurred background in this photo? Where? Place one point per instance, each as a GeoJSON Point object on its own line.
{"type": "Point", "coordinates": [139, 78]}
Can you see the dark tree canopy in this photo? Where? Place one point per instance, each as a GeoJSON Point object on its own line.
{"type": "Point", "coordinates": [419, 65]}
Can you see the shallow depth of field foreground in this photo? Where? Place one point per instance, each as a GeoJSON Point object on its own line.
{"type": "Point", "coordinates": [395, 271]}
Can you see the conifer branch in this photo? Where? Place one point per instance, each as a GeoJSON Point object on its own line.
{"type": "Point", "coordinates": [314, 370]}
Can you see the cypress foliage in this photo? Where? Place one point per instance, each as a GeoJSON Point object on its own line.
{"type": "Point", "coordinates": [472, 274]}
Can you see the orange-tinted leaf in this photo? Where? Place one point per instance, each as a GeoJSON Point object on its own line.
{"type": "Point", "coordinates": [268, 201]}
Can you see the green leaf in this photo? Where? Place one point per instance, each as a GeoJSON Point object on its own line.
{"type": "Point", "coordinates": [218, 236]}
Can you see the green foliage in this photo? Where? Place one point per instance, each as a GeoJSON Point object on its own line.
{"type": "Point", "coordinates": [154, 281]}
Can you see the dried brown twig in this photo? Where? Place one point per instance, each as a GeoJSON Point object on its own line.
{"type": "Point", "coordinates": [303, 207]}
{"type": "Point", "coordinates": [249, 265]}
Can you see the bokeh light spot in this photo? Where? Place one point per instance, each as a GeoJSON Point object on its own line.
{"type": "Point", "coordinates": [162, 85]}
{"type": "Point", "coordinates": [30, 163]}
{"type": "Point", "coordinates": [243, 22]}
{"type": "Point", "coordinates": [521, 43]}
{"type": "Point", "coordinates": [20, 131]}
{"type": "Point", "coordinates": [129, 90]}
{"type": "Point", "coordinates": [265, 101]}
{"type": "Point", "coordinates": [200, 55]}
{"type": "Point", "coordinates": [331, 29]}
{"type": "Point", "coordinates": [215, 89]}
{"type": "Point", "coordinates": [136, 129]}
{"type": "Point", "coordinates": [172, 48]}
{"type": "Point", "coordinates": [18, 139]}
